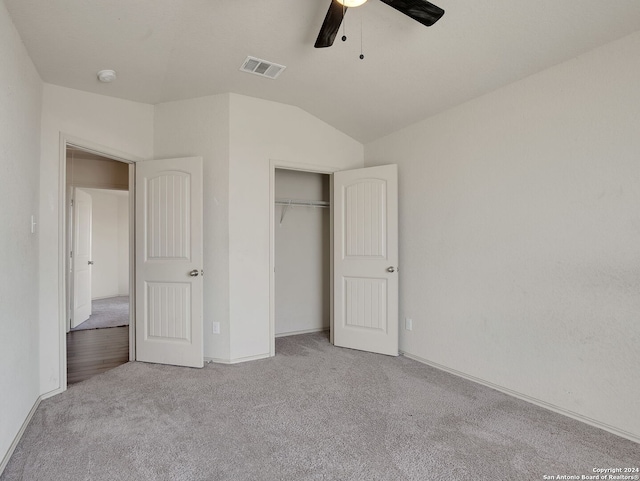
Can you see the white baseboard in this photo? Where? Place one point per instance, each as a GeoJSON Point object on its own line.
{"type": "Point", "coordinates": [260, 356]}
{"type": "Point", "coordinates": [16, 440]}
{"type": "Point", "coordinates": [237, 360]}
{"type": "Point", "coordinates": [111, 296]}
{"type": "Point", "coordinates": [538, 402]}
{"type": "Point", "coordinates": [305, 331]}
{"type": "Point", "coordinates": [49, 394]}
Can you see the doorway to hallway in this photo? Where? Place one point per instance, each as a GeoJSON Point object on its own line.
{"type": "Point", "coordinates": [99, 267]}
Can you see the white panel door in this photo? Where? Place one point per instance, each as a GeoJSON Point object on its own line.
{"type": "Point", "coordinates": [366, 259]}
{"type": "Point", "coordinates": [81, 257]}
{"type": "Point", "coordinates": [169, 261]}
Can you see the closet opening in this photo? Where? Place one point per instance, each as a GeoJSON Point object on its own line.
{"type": "Point", "coordinates": [301, 254]}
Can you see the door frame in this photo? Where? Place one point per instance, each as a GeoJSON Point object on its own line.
{"type": "Point", "coordinates": [63, 267]}
{"type": "Point", "coordinates": [302, 167]}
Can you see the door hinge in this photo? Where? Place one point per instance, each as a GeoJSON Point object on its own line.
{"type": "Point", "coordinates": [71, 254]}
{"type": "Point", "coordinates": [71, 202]}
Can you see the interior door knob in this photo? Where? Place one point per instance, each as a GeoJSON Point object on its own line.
{"type": "Point", "coordinates": [90, 263]}
{"type": "Point", "coordinates": [391, 269]}
{"type": "Point", "coordinates": [194, 273]}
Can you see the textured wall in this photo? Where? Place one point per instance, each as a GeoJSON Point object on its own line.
{"type": "Point", "coordinates": [108, 253]}
{"type": "Point", "coordinates": [118, 125]}
{"type": "Point", "coordinates": [20, 104]}
{"type": "Point", "coordinates": [123, 245]}
{"type": "Point", "coordinates": [520, 235]}
{"type": "Point", "coordinates": [200, 127]}
{"type": "Point", "coordinates": [104, 244]}
{"type": "Point", "coordinates": [261, 131]}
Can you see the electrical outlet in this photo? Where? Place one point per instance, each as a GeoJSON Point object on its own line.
{"type": "Point", "coordinates": [216, 328]}
{"type": "Point", "coordinates": [408, 324]}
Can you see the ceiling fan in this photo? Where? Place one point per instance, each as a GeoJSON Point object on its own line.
{"type": "Point", "coordinates": [420, 10]}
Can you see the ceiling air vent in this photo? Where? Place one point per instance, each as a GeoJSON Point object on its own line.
{"type": "Point", "coordinates": [261, 67]}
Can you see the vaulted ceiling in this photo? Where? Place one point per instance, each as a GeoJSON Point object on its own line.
{"type": "Point", "coordinates": [167, 50]}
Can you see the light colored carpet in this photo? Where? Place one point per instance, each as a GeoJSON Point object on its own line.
{"type": "Point", "coordinates": [109, 312]}
{"type": "Point", "coordinates": [314, 412]}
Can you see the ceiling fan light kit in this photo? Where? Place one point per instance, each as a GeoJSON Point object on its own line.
{"type": "Point", "coordinates": [352, 3]}
{"type": "Point", "coordinates": [421, 11]}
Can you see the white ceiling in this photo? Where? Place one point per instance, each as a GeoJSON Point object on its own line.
{"type": "Point", "coordinates": [176, 49]}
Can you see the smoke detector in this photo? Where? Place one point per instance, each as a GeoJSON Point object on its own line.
{"type": "Point", "coordinates": [106, 76]}
{"type": "Point", "coordinates": [261, 67]}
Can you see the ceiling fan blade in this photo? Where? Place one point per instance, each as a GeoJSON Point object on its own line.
{"type": "Point", "coordinates": [331, 25]}
{"type": "Point", "coordinates": [420, 10]}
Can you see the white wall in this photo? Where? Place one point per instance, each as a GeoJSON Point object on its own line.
{"type": "Point", "coordinates": [104, 244]}
{"type": "Point", "coordinates": [123, 245]}
{"type": "Point", "coordinates": [261, 131]}
{"type": "Point", "coordinates": [20, 105]}
{"type": "Point", "coordinates": [520, 235]}
{"type": "Point", "coordinates": [237, 136]}
{"type": "Point", "coordinates": [119, 125]}
{"type": "Point", "coordinates": [200, 127]}
{"type": "Point", "coordinates": [302, 250]}
{"type": "Point", "coordinates": [109, 247]}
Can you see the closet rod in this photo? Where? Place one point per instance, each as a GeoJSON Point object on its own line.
{"type": "Point", "coordinates": [303, 203]}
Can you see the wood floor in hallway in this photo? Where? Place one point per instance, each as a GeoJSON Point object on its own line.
{"type": "Point", "coordinates": [95, 351]}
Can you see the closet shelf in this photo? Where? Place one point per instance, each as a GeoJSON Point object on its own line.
{"type": "Point", "coordinates": [299, 203]}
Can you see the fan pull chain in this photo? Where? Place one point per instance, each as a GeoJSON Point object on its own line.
{"type": "Point", "coordinates": [344, 28]}
{"type": "Point", "coordinates": [361, 48]}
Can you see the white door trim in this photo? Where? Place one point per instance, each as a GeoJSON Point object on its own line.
{"type": "Point", "coordinates": [318, 169]}
{"type": "Point", "coordinates": [70, 140]}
